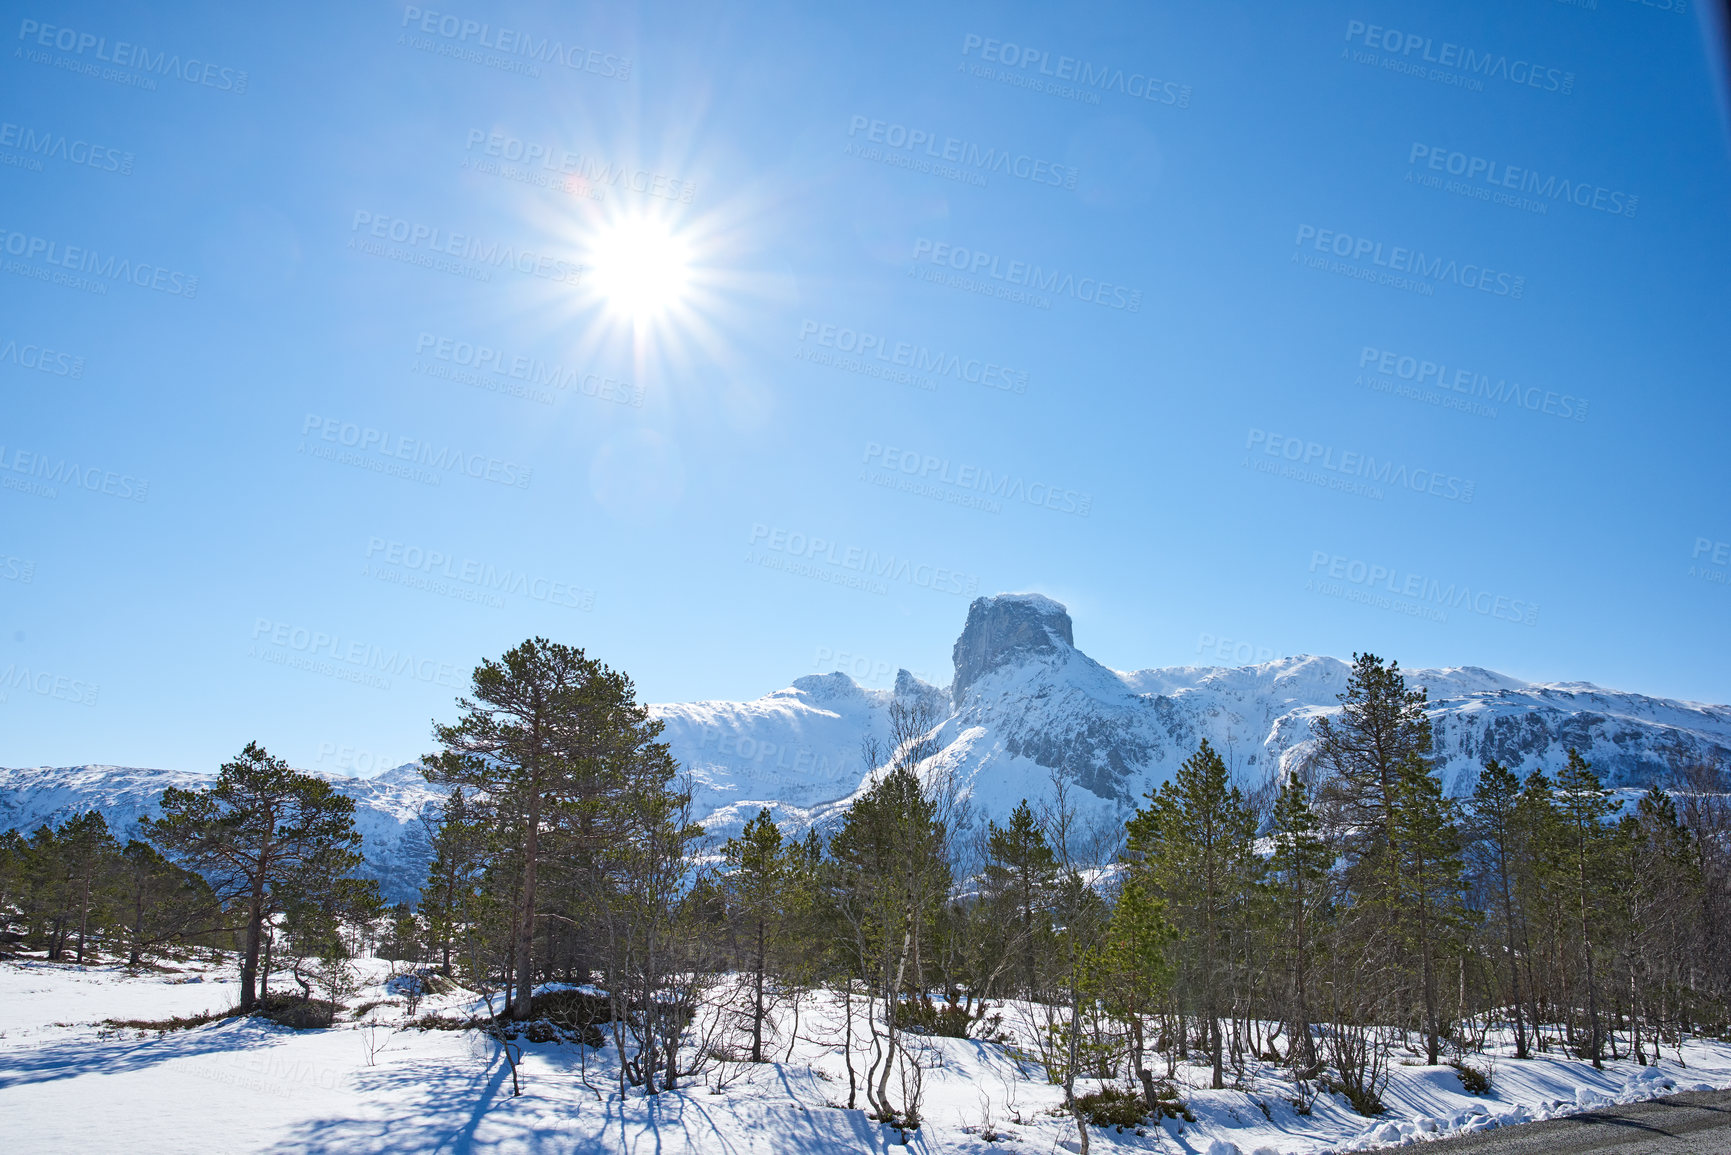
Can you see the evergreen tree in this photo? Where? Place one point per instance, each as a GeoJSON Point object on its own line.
{"type": "Point", "coordinates": [1583, 803]}
{"type": "Point", "coordinates": [1432, 892]}
{"type": "Point", "coordinates": [404, 941]}
{"type": "Point", "coordinates": [1495, 800]}
{"type": "Point", "coordinates": [1020, 872]}
{"type": "Point", "coordinates": [759, 885]}
{"type": "Point", "coordinates": [1382, 723]}
{"type": "Point", "coordinates": [263, 836]}
{"type": "Point", "coordinates": [1196, 839]}
{"type": "Point", "coordinates": [1376, 758]}
{"type": "Point", "coordinates": [161, 903]}
{"type": "Point", "coordinates": [451, 898]}
{"type": "Point", "coordinates": [1131, 970]}
{"type": "Point", "coordinates": [1299, 869]}
{"type": "Point", "coordinates": [890, 874]}
{"type": "Point", "coordinates": [547, 737]}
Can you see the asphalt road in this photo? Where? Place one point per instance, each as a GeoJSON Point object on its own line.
{"type": "Point", "coordinates": [1694, 1123]}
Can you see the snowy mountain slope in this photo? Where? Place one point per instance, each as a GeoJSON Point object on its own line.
{"type": "Point", "coordinates": [388, 809]}
{"type": "Point", "coordinates": [1024, 703]}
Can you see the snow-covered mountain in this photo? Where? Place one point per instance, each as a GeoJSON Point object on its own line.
{"type": "Point", "coordinates": [389, 809]}
{"type": "Point", "coordinates": [1023, 703]}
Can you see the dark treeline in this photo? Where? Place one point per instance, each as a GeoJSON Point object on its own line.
{"type": "Point", "coordinates": [1336, 919]}
{"type": "Point", "coordinates": [1344, 917]}
{"type": "Point", "coordinates": [260, 864]}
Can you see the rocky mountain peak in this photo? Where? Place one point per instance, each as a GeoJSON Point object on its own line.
{"type": "Point", "coordinates": [1007, 628]}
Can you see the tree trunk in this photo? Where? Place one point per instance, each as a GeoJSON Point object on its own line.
{"type": "Point", "coordinates": [1593, 1038]}
{"type": "Point", "coordinates": [847, 1038]}
{"type": "Point", "coordinates": [892, 998]}
{"type": "Point", "coordinates": [83, 919]}
{"type": "Point", "coordinates": [757, 1005]}
{"type": "Point", "coordinates": [1075, 1059]}
{"type": "Point", "coordinates": [525, 992]}
{"type": "Point", "coordinates": [135, 953]}
{"type": "Point", "coordinates": [254, 932]}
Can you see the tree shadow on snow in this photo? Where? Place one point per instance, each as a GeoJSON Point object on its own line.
{"type": "Point", "coordinates": [428, 1106]}
{"type": "Point", "coordinates": [50, 1060]}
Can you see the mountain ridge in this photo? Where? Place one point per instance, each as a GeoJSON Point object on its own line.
{"type": "Point", "coordinates": [1024, 704]}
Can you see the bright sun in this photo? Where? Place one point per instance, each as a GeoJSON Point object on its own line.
{"type": "Point", "coordinates": [640, 268]}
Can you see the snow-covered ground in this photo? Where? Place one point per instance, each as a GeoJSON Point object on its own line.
{"type": "Point", "coordinates": [245, 1085]}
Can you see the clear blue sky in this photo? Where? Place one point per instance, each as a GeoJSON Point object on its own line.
{"type": "Point", "coordinates": [1113, 267]}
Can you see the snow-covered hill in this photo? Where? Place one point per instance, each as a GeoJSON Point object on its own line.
{"type": "Point", "coordinates": [1023, 703]}
{"type": "Point", "coordinates": [389, 809]}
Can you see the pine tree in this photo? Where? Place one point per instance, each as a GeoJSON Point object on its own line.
{"type": "Point", "coordinates": [758, 885]}
{"type": "Point", "coordinates": [403, 943]}
{"type": "Point", "coordinates": [549, 736]}
{"type": "Point", "coordinates": [1196, 839]}
{"type": "Point", "coordinates": [1583, 803]}
{"type": "Point", "coordinates": [1369, 753]}
{"type": "Point", "coordinates": [160, 903]}
{"type": "Point", "coordinates": [1020, 872]}
{"type": "Point", "coordinates": [1131, 971]}
{"type": "Point", "coordinates": [1299, 884]}
{"type": "Point", "coordinates": [264, 836]}
{"type": "Point", "coordinates": [1495, 801]}
{"type": "Point", "coordinates": [88, 856]}
{"type": "Point", "coordinates": [451, 897]}
{"type": "Point", "coordinates": [1382, 723]}
{"type": "Point", "coordinates": [1540, 891]}
{"type": "Point", "coordinates": [890, 873]}
{"type": "Point", "coordinates": [1432, 892]}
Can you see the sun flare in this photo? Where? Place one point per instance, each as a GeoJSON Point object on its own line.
{"type": "Point", "coordinates": [640, 268]}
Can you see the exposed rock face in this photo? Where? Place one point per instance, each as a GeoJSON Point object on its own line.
{"type": "Point", "coordinates": [1005, 629]}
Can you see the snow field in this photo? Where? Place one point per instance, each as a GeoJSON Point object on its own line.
{"type": "Point", "coordinates": [371, 1085]}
